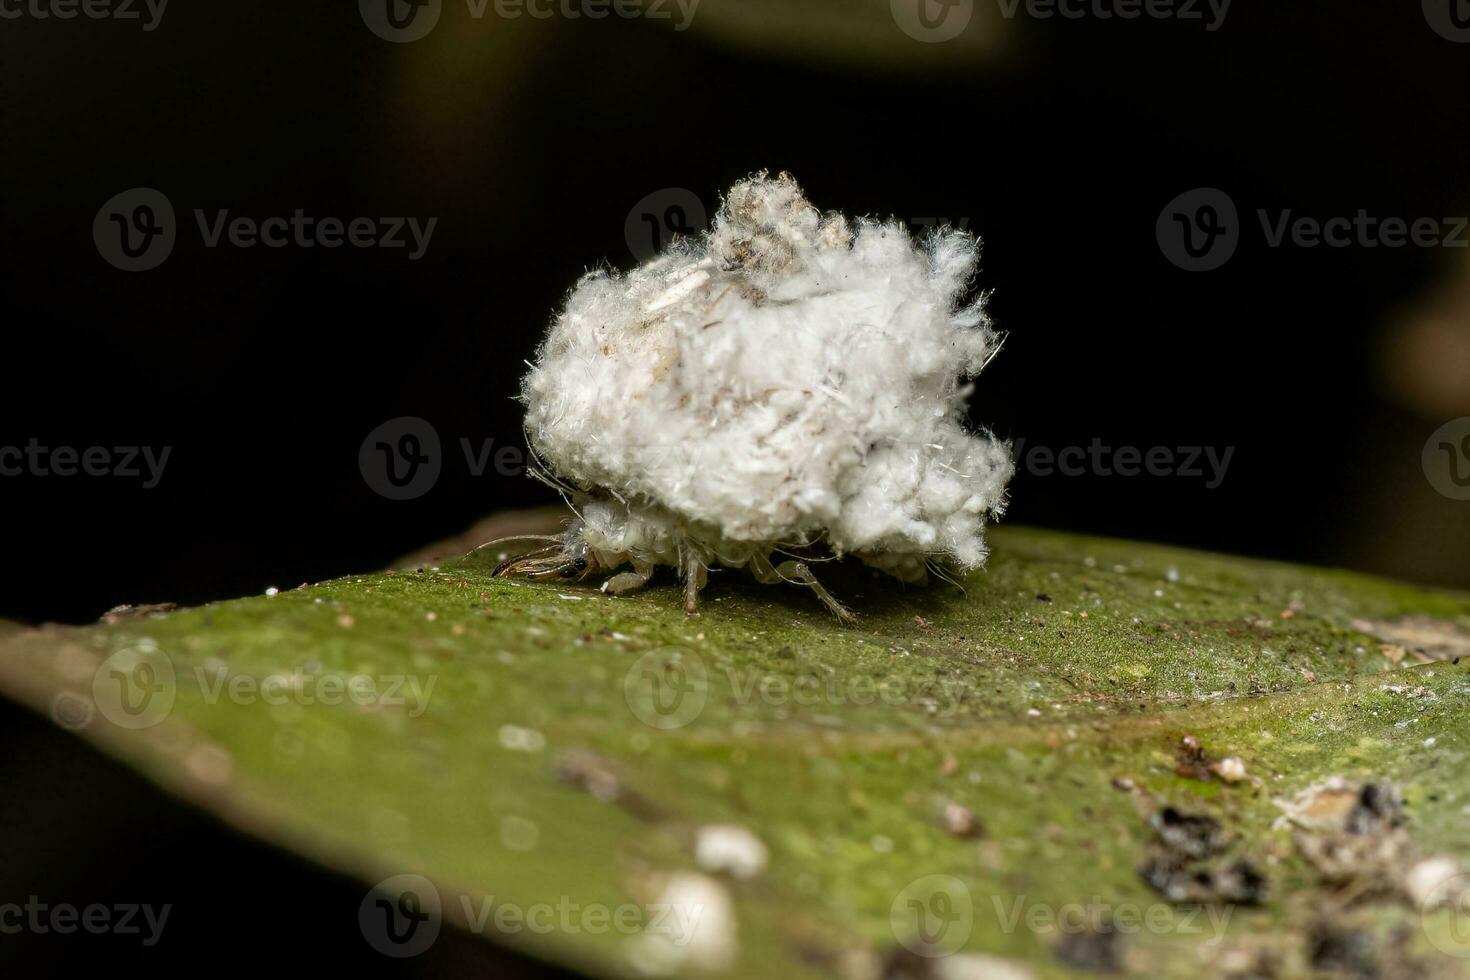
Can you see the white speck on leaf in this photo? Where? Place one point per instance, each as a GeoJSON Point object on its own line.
{"type": "Point", "coordinates": [730, 850]}
{"type": "Point", "coordinates": [520, 739]}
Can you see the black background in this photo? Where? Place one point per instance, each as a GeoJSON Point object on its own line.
{"type": "Point", "coordinates": [530, 141]}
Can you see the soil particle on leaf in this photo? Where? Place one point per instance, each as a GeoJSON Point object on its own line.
{"type": "Point", "coordinates": [960, 821]}
{"type": "Point", "coordinates": [705, 937]}
{"type": "Point", "coordinates": [1435, 882]}
{"type": "Point", "coordinates": [1190, 761]}
{"type": "Point", "coordinates": [732, 850]}
{"type": "Point", "coordinates": [125, 612]}
{"type": "Point", "coordinates": [1344, 952]}
{"type": "Point", "coordinates": [1370, 863]}
{"type": "Point", "coordinates": [1323, 806]}
{"type": "Point", "coordinates": [906, 964]}
{"type": "Point", "coordinates": [1367, 854]}
{"type": "Point", "coordinates": [595, 775]}
{"type": "Point", "coordinates": [1426, 637]}
{"type": "Point", "coordinates": [1095, 950]}
{"type": "Point", "coordinates": [1185, 865]}
{"type": "Point", "coordinates": [1230, 769]}
{"type": "Point", "coordinates": [1378, 809]}
{"type": "Point", "coordinates": [1353, 836]}
{"type": "Point", "coordinates": [1238, 882]}
{"type": "Point", "coordinates": [1193, 762]}
{"type": "Point", "coordinates": [1350, 951]}
{"type": "Point", "coordinates": [1249, 964]}
{"type": "Point", "coordinates": [1190, 835]}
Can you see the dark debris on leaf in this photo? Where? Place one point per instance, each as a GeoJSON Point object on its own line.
{"type": "Point", "coordinates": [595, 775]}
{"type": "Point", "coordinates": [1191, 761]}
{"type": "Point", "coordinates": [1095, 950]}
{"type": "Point", "coordinates": [125, 612]}
{"type": "Point", "coordinates": [1190, 835]}
{"type": "Point", "coordinates": [906, 964]}
{"type": "Point", "coordinates": [1378, 809]}
{"type": "Point", "coordinates": [1186, 864]}
{"type": "Point", "coordinates": [1344, 952]}
{"type": "Point", "coordinates": [1238, 882]}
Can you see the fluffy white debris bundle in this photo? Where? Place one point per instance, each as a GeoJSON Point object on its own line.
{"type": "Point", "coordinates": [786, 380]}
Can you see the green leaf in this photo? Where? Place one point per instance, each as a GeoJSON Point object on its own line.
{"type": "Point", "coordinates": [555, 748]}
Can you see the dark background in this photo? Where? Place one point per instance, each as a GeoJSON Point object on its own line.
{"type": "Point", "coordinates": [1058, 141]}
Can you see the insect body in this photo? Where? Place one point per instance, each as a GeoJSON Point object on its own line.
{"type": "Point", "coordinates": [784, 389]}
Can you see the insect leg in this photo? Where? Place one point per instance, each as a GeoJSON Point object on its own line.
{"type": "Point", "coordinates": [797, 571]}
{"type": "Point", "coordinates": [694, 580]}
{"type": "Point", "coordinates": [626, 583]}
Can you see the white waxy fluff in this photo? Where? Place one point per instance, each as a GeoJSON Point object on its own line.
{"type": "Point", "coordinates": [789, 379]}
